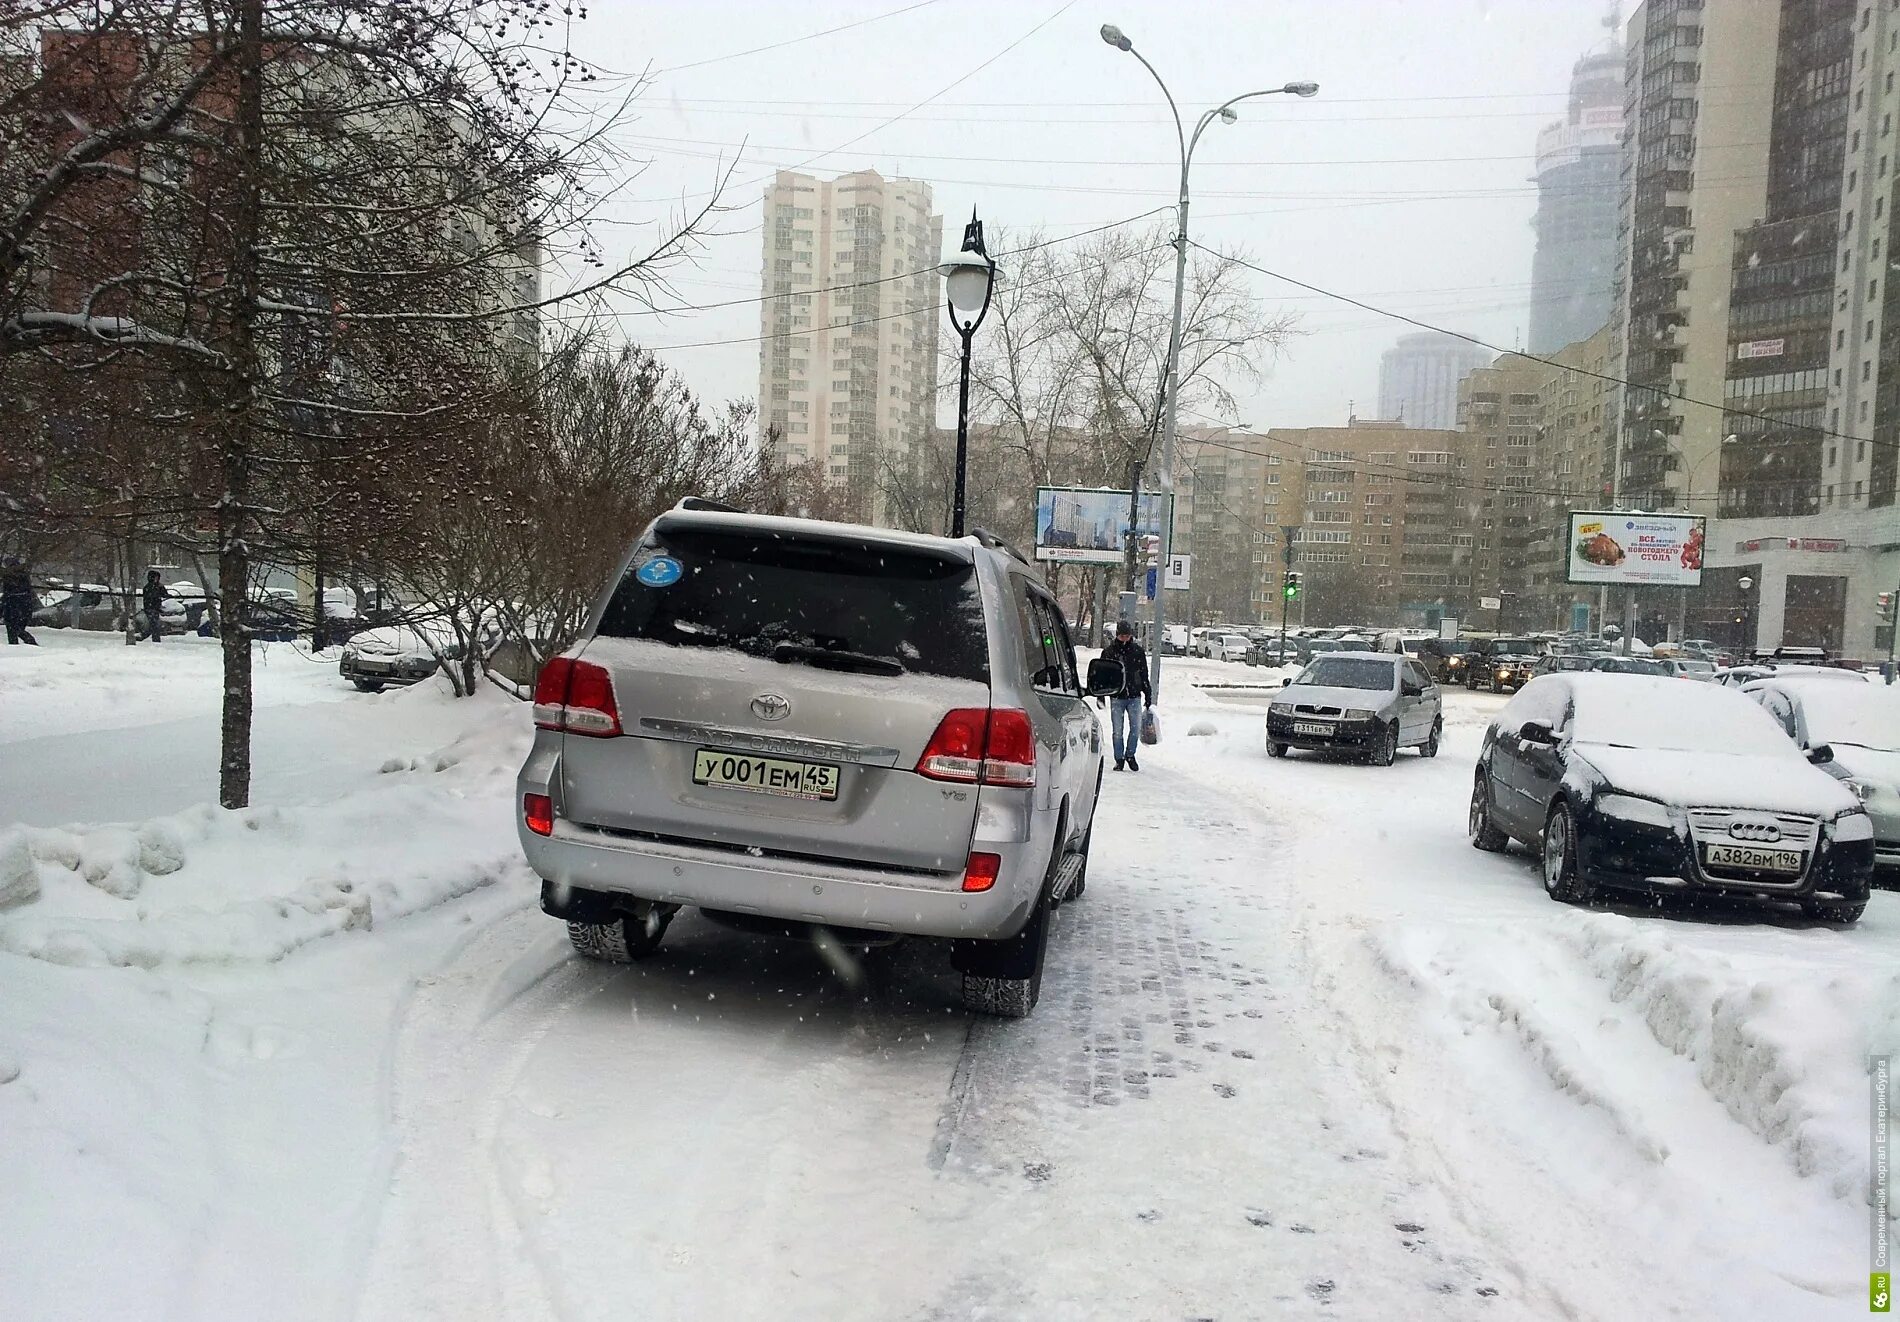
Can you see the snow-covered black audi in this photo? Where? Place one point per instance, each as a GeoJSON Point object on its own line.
{"type": "Point", "coordinates": [1649, 784]}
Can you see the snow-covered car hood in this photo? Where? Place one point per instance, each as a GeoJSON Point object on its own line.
{"type": "Point", "coordinates": [1319, 696]}
{"type": "Point", "coordinates": [397, 641]}
{"type": "Point", "coordinates": [1767, 782]}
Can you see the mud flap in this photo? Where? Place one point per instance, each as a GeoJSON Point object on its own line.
{"type": "Point", "coordinates": [1016, 957]}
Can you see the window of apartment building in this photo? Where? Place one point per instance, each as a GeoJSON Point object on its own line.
{"type": "Point", "coordinates": [801, 406]}
{"type": "Point", "coordinates": [1868, 333]}
{"type": "Point", "coordinates": [1831, 452]}
{"type": "Point", "coordinates": [1385, 521]}
{"type": "Point", "coordinates": [842, 384]}
{"type": "Point", "coordinates": [1866, 369]}
{"type": "Point", "coordinates": [1840, 339]}
{"type": "Point", "coordinates": [1273, 479]}
{"type": "Point", "coordinates": [799, 428]}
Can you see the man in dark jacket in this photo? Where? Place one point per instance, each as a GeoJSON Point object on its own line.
{"type": "Point", "coordinates": [1125, 707]}
{"type": "Point", "coordinates": [16, 603]}
{"type": "Point", "coordinates": [154, 603]}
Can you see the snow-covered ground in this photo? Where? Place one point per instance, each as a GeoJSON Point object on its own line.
{"type": "Point", "coordinates": [1301, 1052]}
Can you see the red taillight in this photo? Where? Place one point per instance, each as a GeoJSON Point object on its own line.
{"type": "Point", "coordinates": [1010, 758]}
{"type": "Point", "coordinates": [550, 692]}
{"type": "Point", "coordinates": [991, 746]}
{"type": "Point", "coordinates": [980, 873]}
{"type": "Point", "coordinates": [955, 752]}
{"type": "Point", "coordinates": [537, 810]}
{"type": "Point", "coordinates": [576, 696]}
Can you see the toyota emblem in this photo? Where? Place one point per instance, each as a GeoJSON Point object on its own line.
{"type": "Point", "coordinates": [771, 707]}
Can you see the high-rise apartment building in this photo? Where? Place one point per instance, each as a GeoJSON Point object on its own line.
{"type": "Point", "coordinates": [848, 362]}
{"type": "Point", "coordinates": [1419, 376]}
{"type": "Point", "coordinates": [1578, 164]}
{"type": "Point", "coordinates": [1229, 484]}
{"type": "Point", "coordinates": [1694, 170]}
{"type": "Point", "coordinates": [1807, 509]}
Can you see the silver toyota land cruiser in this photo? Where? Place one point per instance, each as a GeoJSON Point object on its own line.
{"type": "Point", "coordinates": [801, 724]}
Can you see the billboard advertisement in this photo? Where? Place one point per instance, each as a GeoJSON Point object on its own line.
{"type": "Point", "coordinates": [1625, 549]}
{"type": "Point", "coordinates": [1089, 525]}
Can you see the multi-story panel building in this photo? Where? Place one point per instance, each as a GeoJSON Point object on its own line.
{"type": "Point", "coordinates": [1385, 532]}
{"type": "Point", "coordinates": [1229, 492]}
{"type": "Point", "coordinates": [1500, 408]}
{"type": "Point", "coordinates": [1807, 507]}
{"type": "Point", "coordinates": [1694, 170]}
{"type": "Point", "coordinates": [1578, 163]}
{"type": "Point", "coordinates": [1418, 378]}
{"type": "Point", "coordinates": [1572, 463]}
{"type": "Point", "coordinates": [848, 362]}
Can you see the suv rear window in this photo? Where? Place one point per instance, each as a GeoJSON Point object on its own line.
{"type": "Point", "coordinates": [752, 593]}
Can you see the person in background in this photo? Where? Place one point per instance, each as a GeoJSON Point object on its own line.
{"type": "Point", "coordinates": [1126, 705]}
{"type": "Point", "coordinates": [17, 603]}
{"type": "Point", "coordinates": [153, 601]}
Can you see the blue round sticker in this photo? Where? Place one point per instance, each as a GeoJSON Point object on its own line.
{"type": "Point", "coordinates": [662, 571]}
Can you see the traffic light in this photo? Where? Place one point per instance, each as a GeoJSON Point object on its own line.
{"type": "Point", "coordinates": [1292, 585]}
{"type": "Point", "coordinates": [1885, 601]}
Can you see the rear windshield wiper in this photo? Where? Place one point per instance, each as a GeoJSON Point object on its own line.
{"type": "Point", "coordinates": [838, 660]}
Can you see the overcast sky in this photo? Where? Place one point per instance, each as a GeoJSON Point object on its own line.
{"type": "Point", "coordinates": [1405, 182]}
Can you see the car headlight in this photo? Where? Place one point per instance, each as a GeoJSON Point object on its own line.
{"type": "Point", "coordinates": [1629, 808]}
{"type": "Point", "coordinates": [1862, 790]}
{"type": "Point", "coordinates": [1359, 713]}
{"type": "Point", "coordinates": [1454, 663]}
{"type": "Point", "coordinates": [1280, 708]}
{"type": "Point", "coordinates": [1853, 825]}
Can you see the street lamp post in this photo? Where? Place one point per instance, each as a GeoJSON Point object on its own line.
{"type": "Point", "coordinates": [1745, 583]}
{"type": "Point", "coordinates": [1186, 142]}
{"type": "Point", "coordinates": [969, 278]}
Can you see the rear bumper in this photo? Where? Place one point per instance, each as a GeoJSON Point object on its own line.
{"type": "Point", "coordinates": [799, 888]}
{"type": "Point", "coordinates": [828, 893]}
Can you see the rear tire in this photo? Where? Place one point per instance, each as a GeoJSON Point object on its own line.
{"type": "Point", "coordinates": [620, 940]}
{"type": "Point", "coordinates": [1825, 911]}
{"type": "Point", "coordinates": [1005, 977]}
{"type": "Point", "coordinates": [1478, 824]}
{"type": "Point", "coordinates": [1430, 747]}
{"type": "Point", "coordinates": [368, 685]}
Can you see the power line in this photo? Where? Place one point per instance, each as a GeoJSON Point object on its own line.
{"type": "Point", "coordinates": [793, 41]}
{"type": "Point", "coordinates": [1548, 362]}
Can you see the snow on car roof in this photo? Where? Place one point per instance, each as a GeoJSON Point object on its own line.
{"type": "Point", "coordinates": [1642, 711]}
{"type": "Point", "coordinates": [1866, 715]}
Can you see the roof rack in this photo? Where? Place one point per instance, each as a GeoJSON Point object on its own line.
{"type": "Point", "coordinates": [703, 505]}
{"type": "Point", "coordinates": [995, 543]}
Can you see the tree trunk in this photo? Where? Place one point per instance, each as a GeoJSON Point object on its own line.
{"type": "Point", "coordinates": [234, 559]}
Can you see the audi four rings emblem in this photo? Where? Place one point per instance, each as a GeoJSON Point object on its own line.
{"type": "Point", "coordinates": [771, 707]}
{"type": "Point", "coordinates": [1763, 831]}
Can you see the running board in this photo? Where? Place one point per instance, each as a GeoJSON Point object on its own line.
{"type": "Point", "coordinates": [1066, 874]}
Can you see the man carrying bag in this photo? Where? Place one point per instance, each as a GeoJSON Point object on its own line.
{"type": "Point", "coordinates": [1125, 708]}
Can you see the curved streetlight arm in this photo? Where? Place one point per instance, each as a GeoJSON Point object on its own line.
{"type": "Point", "coordinates": [1218, 110]}
{"type": "Point", "coordinates": [1180, 135]}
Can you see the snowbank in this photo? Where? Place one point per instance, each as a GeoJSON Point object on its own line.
{"type": "Point", "coordinates": [207, 886]}
{"type": "Point", "coordinates": [1783, 1047]}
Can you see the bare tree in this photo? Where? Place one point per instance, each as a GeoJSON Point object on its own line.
{"type": "Point", "coordinates": [321, 222]}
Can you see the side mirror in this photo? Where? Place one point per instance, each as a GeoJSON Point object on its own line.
{"type": "Point", "coordinates": [1821, 754]}
{"type": "Point", "coordinates": [1536, 732]}
{"type": "Point", "coordinates": [1287, 682]}
{"type": "Point", "coordinates": [1105, 677]}
{"type": "Point", "coordinates": [1411, 690]}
